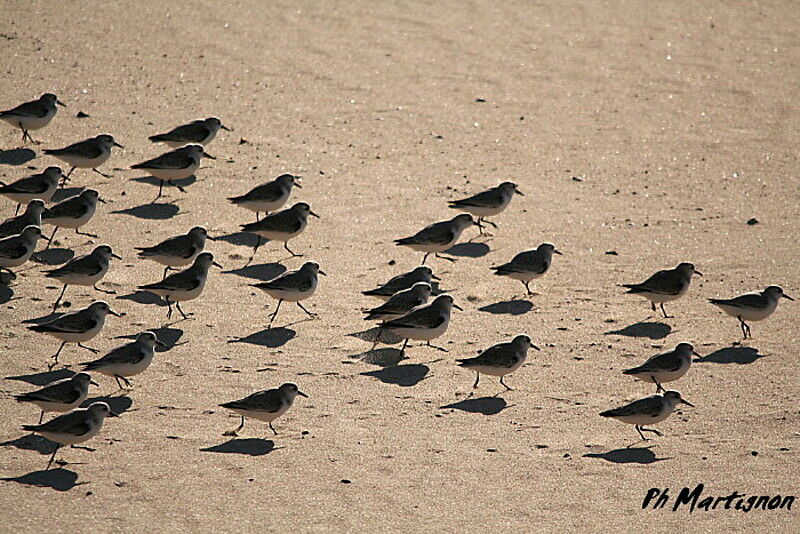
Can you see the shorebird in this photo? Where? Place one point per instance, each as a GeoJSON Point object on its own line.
{"type": "Point", "coordinates": [85, 270]}
{"type": "Point", "coordinates": [174, 165]}
{"type": "Point", "coordinates": [265, 405]}
{"type": "Point", "coordinates": [487, 203]}
{"type": "Point", "coordinates": [15, 250]}
{"type": "Point", "coordinates": [32, 115]}
{"type": "Point", "coordinates": [73, 213]}
{"type": "Point", "coordinates": [399, 305]}
{"type": "Point", "coordinates": [128, 360]}
{"type": "Point", "coordinates": [438, 237]}
{"type": "Point", "coordinates": [178, 251]}
{"type": "Point", "coordinates": [184, 285]}
{"type": "Point", "coordinates": [529, 265]}
{"type": "Point", "coordinates": [293, 286]}
{"type": "Point", "coordinates": [32, 216]}
{"type": "Point", "coordinates": [267, 197]}
{"type": "Point", "coordinates": [200, 132]}
{"type": "Point", "coordinates": [74, 427]}
{"type": "Point", "coordinates": [751, 306]}
{"type": "Point", "coordinates": [401, 282]}
{"type": "Point", "coordinates": [424, 324]}
{"type": "Point", "coordinates": [281, 226]}
{"type": "Point", "coordinates": [666, 367]}
{"type": "Point", "coordinates": [87, 154]}
{"type": "Point", "coordinates": [665, 286]}
{"type": "Point", "coordinates": [42, 186]}
{"type": "Point", "coordinates": [647, 411]}
{"type": "Point", "coordinates": [61, 396]}
{"type": "Point", "coordinates": [499, 360]}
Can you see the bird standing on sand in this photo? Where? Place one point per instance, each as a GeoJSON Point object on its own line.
{"type": "Point", "coordinates": [529, 265]}
{"type": "Point", "coordinates": [751, 306]}
{"type": "Point", "coordinates": [665, 286]}
{"type": "Point", "coordinates": [265, 405]}
{"type": "Point", "coordinates": [174, 165]}
{"type": "Point", "coordinates": [42, 186]}
{"type": "Point", "coordinates": [184, 285]}
{"type": "Point", "coordinates": [200, 132]}
{"type": "Point", "coordinates": [267, 197]}
{"type": "Point", "coordinates": [424, 324]}
{"type": "Point", "coordinates": [499, 360]}
{"type": "Point", "coordinates": [87, 154]}
{"type": "Point", "coordinates": [128, 360]}
{"type": "Point", "coordinates": [293, 286]}
{"type": "Point", "coordinates": [438, 237]}
{"type": "Point", "coordinates": [487, 203]}
{"type": "Point", "coordinates": [61, 396]}
{"type": "Point", "coordinates": [666, 367]}
{"type": "Point", "coordinates": [647, 411]}
{"type": "Point", "coordinates": [85, 270]}
{"type": "Point", "coordinates": [32, 115]}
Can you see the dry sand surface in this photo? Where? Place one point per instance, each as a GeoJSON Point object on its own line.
{"type": "Point", "coordinates": [652, 129]}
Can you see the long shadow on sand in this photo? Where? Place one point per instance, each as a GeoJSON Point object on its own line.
{"type": "Point", "coordinates": [53, 256]}
{"type": "Point", "coordinates": [263, 271]}
{"type": "Point", "coordinates": [401, 375]}
{"type": "Point", "coordinates": [166, 335]}
{"type": "Point", "coordinates": [644, 329]}
{"type": "Point", "coordinates": [386, 336]}
{"type": "Point", "coordinates": [468, 250]}
{"type": "Point", "coordinates": [247, 446]}
{"type": "Point", "coordinates": [155, 211]}
{"type": "Point", "coordinates": [118, 404]}
{"type": "Point", "coordinates": [58, 479]}
{"type": "Point", "coordinates": [41, 379]}
{"type": "Point", "coordinates": [16, 156]}
{"type": "Point", "coordinates": [385, 357]}
{"type": "Point", "coordinates": [508, 307]}
{"type": "Point", "coordinates": [242, 239]}
{"type": "Point", "coordinates": [738, 355]}
{"type": "Point", "coordinates": [6, 293]}
{"type": "Point", "coordinates": [66, 192]}
{"type": "Point", "coordinates": [32, 442]}
{"type": "Point", "coordinates": [150, 180]}
{"type": "Point", "coordinates": [269, 337]}
{"type": "Point", "coordinates": [482, 405]}
{"type": "Point", "coordinates": [144, 297]}
{"type": "Point", "coordinates": [637, 455]}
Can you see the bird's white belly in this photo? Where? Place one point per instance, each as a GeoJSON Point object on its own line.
{"type": "Point", "coordinates": [70, 222]}
{"type": "Point", "coordinates": [659, 298]}
{"type": "Point", "coordinates": [126, 369]}
{"type": "Point", "coordinates": [9, 262]}
{"type": "Point", "coordinates": [278, 236]}
{"type": "Point", "coordinates": [173, 261]}
{"type": "Point", "coordinates": [662, 376]}
{"type": "Point", "coordinates": [31, 123]}
{"type": "Point", "coordinates": [177, 295]}
{"type": "Point", "coordinates": [78, 279]}
{"type": "Point", "coordinates": [59, 406]}
{"type": "Point", "coordinates": [639, 419]}
{"type": "Point", "coordinates": [265, 416]}
{"type": "Point", "coordinates": [494, 370]}
{"type": "Point", "coordinates": [84, 163]}
{"type": "Point", "coordinates": [173, 174]}
{"type": "Point", "coordinates": [484, 211]}
{"type": "Point", "coordinates": [422, 334]}
{"type": "Point", "coordinates": [70, 439]}
{"type": "Point", "coordinates": [77, 337]}
{"type": "Point", "coordinates": [24, 198]}
{"type": "Point", "coordinates": [748, 314]}
{"type": "Point", "coordinates": [290, 295]}
{"type": "Point", "coordinates": [264, 206]}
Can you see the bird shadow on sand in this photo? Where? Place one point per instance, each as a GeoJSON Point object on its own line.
{"type": "Point", "coordinates": [53, 256]}
{"type": "Point", "coordinates": [42, 379]}
{"type": "Point", "coordinates": [482, 405]}
{"type": "Point", "coordinates": [144, 297]}
{"type": "Point", "coordinates": [468, 250]}
{"type": "Point", "coordinates": [119, 404]}
{"type": "Point", "coordinates": [405, 375]}
{"type": "Point", "coordinates": [385, 357]}
{"type": "Point", "coordinates": [247, 446]}
{"type": "Point", "coordinates": [6, 293]}
{"type": "Point", "coordinates": [150, 180]}
{"type": "Point", "coordinates": [508, 307]}
{"type": "Point", "coordinates": [155, 211]}
{"type": "Point", "coordinates": [31, 442]}
{"type": "Point", "coordinates": [636, 455]}
{"type": "Point", "coordinates": [644, 329]}
{"type": "Point", "coordinates": [58, 479]}
{"type": "Point", "coordinates": [64, 193]}
{"type": "Point", "coordinates": [242, 239]}
{"type": "Point", "coordinates": [165, 334]}
{"type": "Point", "coordinates": [387, 337]}
{"type": "Point", "coordinates": [43, 319]}
{"type": "Point", "coordinates": [262, 272]}
{"type": "Point", "coordinates": [16, 156]}
{"type": "Point", "coordinates": [269, 337]}
{"type": "Point", "coordinates": [738, 355]}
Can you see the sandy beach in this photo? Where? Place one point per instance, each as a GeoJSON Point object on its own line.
{"type": "Point", "coordinates": [642, 135]}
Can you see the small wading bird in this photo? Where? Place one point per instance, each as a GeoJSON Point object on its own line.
{"type": "Point", "coordinates": [751, 306]}
{"type": "Point", "coordinates": [32, 115]}
{"type": "Point", "coordinates": [438, 237]}
{"type": "Point", "coordinates": [87, 154]}
{"type": "Point", "coordinates": [666, 367]}
{"type": "Point", "coordinates": [201, 132]}
{"type": "Point", "coordinates": [499, 360]}
{"type": "Point", "coordinates": [665, 286]}
{"type": "Point", "coordinates": [61, 396]}
{"type": "Point", "coordinates": [647, 411]}
{"type": "Point", "coordinates": [487, 203]}
{"type": "Point", "coordinates": [128, 360]}
{"type": "Point", "coordinates": [529, 265]}
{"type": "Point", "coordinates": [265, 405]}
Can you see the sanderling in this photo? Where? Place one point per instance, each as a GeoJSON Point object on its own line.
{"type": "Point", "coordinates": [185, 285]}
{"type": "Point", "coordinates": [74, 427]}
{"type": "Point", "coordinates": [174, 165]}
{"type": "Point", "coordinates": [32, 216]}
{"type": "Point", "coordinates": [293, 286]}
{"type": "Point", "coordinates": [17, 249]}
{"type": "Point", "coordinates": [281, 226]}
{"type": "Point", "coordinates": [401, 282]}
{"type": "Point", "coordinates": [42, 186]}
{"type": "Point", "coordinates": [647, 411]}
{"type": "Point", "coordinates": [85, 270]}
{"type": "Point", "coordinates": [87, 154]}
{"type": "Point", "coordinates": [487, 203]}
{"type": "Point", "coordinates": [751, 306]}
{"type": "Point", "coordinates": [269, 196]}
{"type": "Point", "coordinates": [665, 285]}
{"type": "Point", "coordinates": [666, 367]}
{"type": "Point", "coordinates": [528, 265]}
{"type": "Point", "coordinates": [178, 251]}
{"type": "Point", "coordinates": [265, 405]}
{"type": "Point", "coordinates": [61, 396]}
{"type": "Point", "coordinates": [73, 212]}
{"type": "Point", "coordinates": [499, 360]}
{"type": "Point", "coordinates": [32, 115]}
{"type": "Point", "coordinates": [438, 237]}
{"type": "Point", "coordinates": [77, 327]}
{"type": "Point", "coordinates": [424, 324]}
{"type": "Point", "coordinates": [128, 360]}
{"type": "Point", "coordinates": [199, 132]}
{"type": "Point", "coordinates": [399, 304]}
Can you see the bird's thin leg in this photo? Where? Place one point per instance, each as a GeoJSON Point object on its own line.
{"type": "Point", "coordinates": [638, 429]}
{"type": "Point", "coordinates": [17, 210]}
{"type": "Point", "coordinates": [255, 249]}
{"type": "Point", "coordinates": [659, 387]}
{"type": "Point", "coordinates": [178, 305]}
{"type": "Point", "coordinates": [166, 270]}
{"type": "Point", "coordinates": [377, 337]}
{"type": "Point", "coordinates": [90, 349]}
{"type": "Point", "coordinates": [235, 430]}
{"type": "Point", "coordinates": [425, 257]}
{"type": "Point", "coordinates": [665, 311]}
{"type": "Point", "coordinates": [305, 310]}
{"type": "Point", "coordinates": [107, 291]}
{"type": "Point", "coordinates": [504, 384]}
{"type": "Point", "coordinates": [428, 343]}
{"type": "Point", "coordinates": [85, 233]}
{"type": "Point", "coordinates": [41, 416]}
{"type": "Point", "coordinates": [652, 305]}
{"type": "Point", "coordinates": [55, 356]}
{"type": "Point", "coordinates": [119, 384]}
{"type": "Point", "coordinates": [653, 430]}
{"type": "Point", "coordinates": [169, 309]}
{"type": "Point", "coordinates": [160, 190]}
{"type": "Point", "coordinates": [58, 300]}
{"type": "Point", "coordinates": [403, 348]}
{"type": "Point", "coordinates": [286, 246]}
{"type": "Point", "coordinates": [127, 382]}
{"type": "Point", "coordinates": [451, 260]}
{"type": "Point", "coordinates": [257, 217]}
{"type": "Point", "coordinates": [50, 241]}
{"type": "Point", "coordinates": [70, 171]}
{"type": "Point", "coordinates": [53, 457]}
{"type": "Point", "coordinates": [745, 328]}
{"type": "Point", "coordinates": [275, 313]}
{"type": "Point", "coordinates": [527, 288]}
{"type": "Point", "coordinates": [102, 174]}
{"type": "Point", "coordinates": [480, 225]}
{"type": "Point", "coordinates": [477, 379]}
{"type": "Point", "coordinates": [489, 222]}
{"type": "Point", "coordinates": [181, 189]}
{"type": "Point", "coordinates": [275, 432]}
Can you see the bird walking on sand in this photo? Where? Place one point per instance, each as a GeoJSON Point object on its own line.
{"type": "Point", "coordinates": [265, 405]}
{"type": "Point", "coordinates": [487, 203]}
{"type": "Point", "coordinates": [74, 427]}
{"type": "Point", "coordinates": [267, 197]}
{"type": "Point", "coordinates": [61, 396]}
{"type": "Point", "coordinates": [128, 360]}
{"type": "Point", "coordinates": [32, 115]}
{"type": "Point", "coordinates": [15, 250]}
{"type": "Point", "coordinates": [647, 411]}
{"type": "Point", "coordinates": [87, 154]}
{"type": "Point", "coordinates": [438, 237]}
{"type": "Point", "coordinates": [424, 324]}
{"type": "Point", "coordinates": [665, 286]}
{"type": "Point", "coordinates": [399, 305]}
{"type": "Point", "coordinates": [32, 216]}
{"type": "Point", "coordinates": [178, 251]}
{"type": "Point", "coordinates": [666, 367]}
{"type": "Point", "coordinates": [281, 226]}
{"type": "Point", "coordinates": [751, 306]}
{"type": "Point", "coordinates": [293, 286]}
{"type": "Point", "coordinates": [401, 282]}
{"type": "Point", "coordinates": [184, 285]}
{"type": "Point", "coordinates": [174, 165]}
{"type": "Point", "coordinates": [529, 265]}
{"type": "Point", "coordinates": [200, 132]}
{"type": "Point", "coordinates": [499, 360]}
{"type": "Point", "coordinates": [85, 270]}
{"type": "Point", "coordinates": [73, 213]}
{"type": "Point", "coordinates": [42, 186]}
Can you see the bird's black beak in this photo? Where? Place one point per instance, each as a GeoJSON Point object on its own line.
{"type": "Point", "coordinates": [696, 354]}
{"type": "Point", "coordinates": [535, 347]}
{"type": "Point", "coordinates": [787, 296]}
{"type": "Point", "coordinates": [100, 200]}
{"type": "Point", "coordinates": [210, 238]}
{"type": "Point", "coordinates": [92, 382]}
{"type": "Point", "coordinates": [216, 264]}
{"type": "Point", "coordinates": [115, 256]}
{"type": "Point", "coordinates": [557, 252]}
{"type": "Point", "coordinates": [225, 128]}
{"type": "Point", "coordinates": [117, 144]}
{"type": "Point", "coordinates": [297, 184]}
{"type": "Point", "coordinates": [323, 273]}
{"type": "Point", "coordinates": [302, 394]}
{"type": "Point", "coordinates": [434, 277]}
{"type": "Point", "coordinates": [687, 403]}
{"type": "Point", "coordinates": [518, 192]}
{"type": "Point", "coordinates": [160, 344]}
{"type": "Point", "coordinates": [313, 214]}
{"type": "Point", "coordinates": [209, 156]}
{"type": "Point", "coordinates": [456, 306]}
{"type": "Point", "coordinates": [115, 314]}
{"type": "Point", "coordinates": [60, 103]}
{"type": "Point", "coordinates": [698, 273]}
{"type": "Point", "coordinates": [113, 414]}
